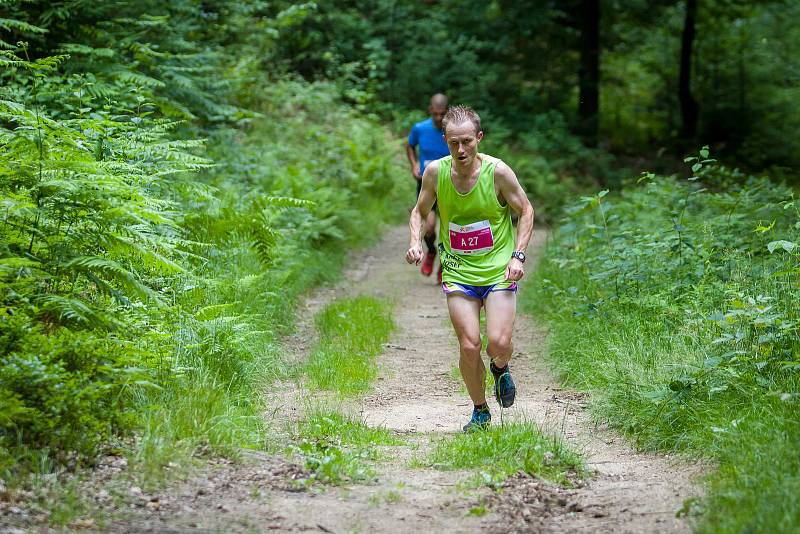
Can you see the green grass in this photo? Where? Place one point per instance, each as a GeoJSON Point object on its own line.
{"type": "Point", "coordinates": [339, 448]}
{"type": "Point", "coordinates": [352, 334]}
{"type": "Point", "coordinates": [688, 345]}
{"type": "Point", "coordinates": [502, 450]}
{"type": "Point", "coordinates": [384, 497]}
{"type": "Point", "coordinates": [736, 421]}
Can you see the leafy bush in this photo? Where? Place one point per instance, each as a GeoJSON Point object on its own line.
{"type": "Point", "coordinates": [677, 302]}
{"type": "Point", "coordinates": [63, 391]}
{"type": "Point", "coordinates": [145, 275]}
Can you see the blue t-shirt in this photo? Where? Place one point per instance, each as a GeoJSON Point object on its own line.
{"type": "Point", "coordinates": [430, 140]}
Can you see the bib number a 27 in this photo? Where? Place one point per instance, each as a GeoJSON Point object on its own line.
{"type": "Point", "coordinates": [471, 239]}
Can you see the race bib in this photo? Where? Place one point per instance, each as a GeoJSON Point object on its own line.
{"type": "Point", "coordinates": [471, 239]}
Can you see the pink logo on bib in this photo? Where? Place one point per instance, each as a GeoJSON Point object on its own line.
{"type": "Point", "coordinates": [472, 239]}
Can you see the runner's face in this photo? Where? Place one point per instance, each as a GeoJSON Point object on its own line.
{"type": "Point", "coordinates": [462, 140]}
{"type": "Point", "coordinates": [437, 114]}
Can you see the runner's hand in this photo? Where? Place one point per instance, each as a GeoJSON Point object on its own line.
{"type": "Point", "coordinates": [414, 254]}
{"type": "Point", "coordinates": [415, 172]}
{"type": "Point", "coordinates": [514, 270]}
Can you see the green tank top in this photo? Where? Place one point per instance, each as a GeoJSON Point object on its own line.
{"type": "Point", "coordinates": [475, 232]}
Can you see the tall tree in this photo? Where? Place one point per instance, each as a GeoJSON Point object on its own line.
{"type": "Point", "coordinates": [689, 108]}
{"type": "Point", "coordinates": [589, 71]}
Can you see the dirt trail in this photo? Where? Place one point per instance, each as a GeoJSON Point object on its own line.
{"type": "Point", "coordinates": [417, 397]}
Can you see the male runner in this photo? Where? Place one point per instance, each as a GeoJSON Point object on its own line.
{"type": "Point", "coordinates": [482, 259]}
{"type": "Point", "coordinates": [428, 135]}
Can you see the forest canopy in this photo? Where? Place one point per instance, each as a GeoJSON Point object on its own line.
{"type": "Point", "coordinates": [515, 61]}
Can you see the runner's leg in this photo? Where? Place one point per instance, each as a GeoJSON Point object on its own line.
{"type": "Point", "coordinates": [465, 315]}
{"type": "Point", "coordinates": [501, 310]}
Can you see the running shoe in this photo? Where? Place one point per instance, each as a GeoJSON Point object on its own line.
{"type": "Point", "coordinates": [504, 389]}
{"type": "Point", "coordinates": [427, 264]}
{"type": "Point", "coordinates": [481, 419]}
{"type": "Point", "coordinates": [439, 274]}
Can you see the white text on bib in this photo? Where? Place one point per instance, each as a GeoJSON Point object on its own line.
{"type": "Point", "coordinates": [471, 239]}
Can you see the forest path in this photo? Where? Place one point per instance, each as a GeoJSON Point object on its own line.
{"type": "Point", "coordinates": [418, 397]}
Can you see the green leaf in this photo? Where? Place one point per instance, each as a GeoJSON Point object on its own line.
{"type": "Point", "coordinates": [788, 246]}
{"type": "Point", "coordinates": [762, 229]}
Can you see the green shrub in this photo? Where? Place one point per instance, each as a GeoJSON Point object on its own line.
{"type": "Point", "coordinates": [63, 391]}
{"type": "Point", "coordinates": [676, 302]}
{"type": "Point", "coordinates": [146, 276]}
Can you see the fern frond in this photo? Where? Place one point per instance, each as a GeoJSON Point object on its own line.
{"type": "Point", "coordinates": [18, 25]}
{"type": "Point", "coordinates": [72, 310]}
{"type": "Point", "coordinates": [137, 78]}
{"type": "Point", "coordinates": [97, 265]}
{"type": "Point", "coordinates": [289, 202]}
{"type": "Point", "coordinates": [265, 240]}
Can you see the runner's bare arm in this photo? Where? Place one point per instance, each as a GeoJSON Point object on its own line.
{"type": "Point", "coordinates": [512, 192]}
{"type": "Point", "coordinates": [427, 196]}
{"type": "Point", "coordinates": [411, 154]}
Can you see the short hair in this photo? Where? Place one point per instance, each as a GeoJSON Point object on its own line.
{"type": "Point", "coordinates": [438, 100]}
{"type": "Point", "coordinates": [460, 115]}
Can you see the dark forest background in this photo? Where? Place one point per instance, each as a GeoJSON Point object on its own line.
{"type": "Point", "coordinates": [638, 78]}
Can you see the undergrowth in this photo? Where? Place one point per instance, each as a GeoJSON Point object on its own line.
{"type": "Point", "coordinates": [502, 450]}
{"type": "Point", "coordinates": [338, 448]}
{"type": "Point", "coordinates": [352, 333]}
{"type": "Point", "coordinates": [159, 219]}
{"type": "Point", "coordinates": [675, 302]}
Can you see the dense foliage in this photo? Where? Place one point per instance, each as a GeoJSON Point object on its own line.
{"type": "Point", "coordinates": [172, 174]}
{"type": "Point", "coordinates": [145, 274]}
{"type": "Point", "coordinates": [676, 302]}
{"type": "Point", "coordinates": [514, 61]}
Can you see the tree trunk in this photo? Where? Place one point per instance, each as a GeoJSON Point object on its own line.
{"type": "Point", "coordinates": [589, 72]}
{"type": "Point", "coordinates": [688, 103]}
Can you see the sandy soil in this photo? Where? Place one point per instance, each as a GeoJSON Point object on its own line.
{"type": "Point", "coordinates": [417, 397]}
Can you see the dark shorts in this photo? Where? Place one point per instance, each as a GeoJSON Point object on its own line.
{"type": "Point", "coordinates": [419, 188]}
{"type": "Point", "coordinates": [478, 292]}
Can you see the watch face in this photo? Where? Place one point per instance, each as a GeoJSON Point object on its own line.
{"type": "Point", "coordinates": [520, 256]}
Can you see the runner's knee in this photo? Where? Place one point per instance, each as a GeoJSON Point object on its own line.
{"type": "Point", "coordinates": [470, 346]}
{"type": "Point", "coordinates": [499, 345]}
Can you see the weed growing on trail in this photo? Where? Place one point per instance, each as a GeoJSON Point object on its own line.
{"type": "Point", "coordinates": [503, 450]}
{"type": "Point", "coordinates": [479, 511]}
{"type": "Point", "coordinates": [387, 497]}
{"type": "Point", "coordinates": [352, 334]}
{"type": "Point", "coordinates": [676, 302]}
{"type": "Point", "coordinates": [338, 448]}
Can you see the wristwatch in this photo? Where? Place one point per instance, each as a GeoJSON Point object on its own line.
{"type": "Point", "coordinates": [519, 255]}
